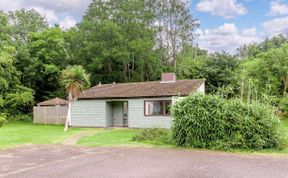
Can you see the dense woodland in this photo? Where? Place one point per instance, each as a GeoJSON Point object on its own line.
{"type": "Point", "coordinates": [128, 41]}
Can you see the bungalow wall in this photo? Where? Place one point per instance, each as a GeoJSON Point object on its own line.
{"type": "Point", "coordinates": [137, 119]}
{"type": "Point", "coordinates": [102, 113]}
{"type": "Point", "coordinates": [89, 113]}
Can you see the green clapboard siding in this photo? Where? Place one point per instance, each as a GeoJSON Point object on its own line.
{"type": "Point", "coordinates": [99, 113]}
{"type": "Point", "coordinates": [89, 113]}
{"type": "Point", "coordinates": [137, 119]}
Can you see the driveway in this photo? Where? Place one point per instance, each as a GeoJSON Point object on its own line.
{"type": "Point", "coordinates": [74, 161]}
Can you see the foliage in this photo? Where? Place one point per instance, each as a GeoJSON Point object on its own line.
{"type": "Point", "coordinates": [21, 98]}
{"type": "Point", "coordinates": [75, 79]}
{"type": "Point", "coordinates": [119, 44]}
{"type": "Point", "coordinates": [191, 61]}
{"type": "Point", "coordinates": [207, 121]}
{"type": "Point", "coordinates": [48, 56]}
{"type": "Point", "coordinates": [154, 135]}
{"type": "Point", "coordinates": [24, 22]}
{"type": "Point", "coordinates": [175, 26]}
{"type": "Point", "coordinates": [283, 105]}
{"type": "Point", "coordinates": [22, 118]}
{"type": "Point", "coordinates": [219, 70]}
{"type": "Point", "coordinates": [267, 74]}
{"type": "Point", "coordinates": [14, 97]}
{"type": "Point", "coordinates": [252, 50]}
{"type": "Point", "coordinates": [2, 119]}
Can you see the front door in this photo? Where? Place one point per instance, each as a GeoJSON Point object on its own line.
{"type": "Point", "coordinates": [125, 114]}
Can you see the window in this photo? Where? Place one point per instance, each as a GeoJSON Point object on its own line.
{"type": "Point", "coordinates": [157, 107]}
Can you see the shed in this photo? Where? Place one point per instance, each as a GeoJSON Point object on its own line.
{"type": "Point", "coordinates": [53, 111]}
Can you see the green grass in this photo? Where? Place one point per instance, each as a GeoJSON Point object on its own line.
{"type": "Point", "coordinates": [16, 134]}
{"type": "Point", "coordinates": [116, 137]}
{"type": "Point", "coordinates": [123, 137]}
{"type": "Point", "coordinates": [284, 124]}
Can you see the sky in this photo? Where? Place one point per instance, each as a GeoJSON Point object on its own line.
{"type": "Point", "coordinates": [224, 24]}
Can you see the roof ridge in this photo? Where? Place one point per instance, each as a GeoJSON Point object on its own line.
{"type": "Point", "coordinates": [128, 83]}
{"type": "Point", "coordinates": [140, 89]}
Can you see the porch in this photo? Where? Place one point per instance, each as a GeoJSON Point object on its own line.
{"type": "Point", "coordinates": [117, 113]}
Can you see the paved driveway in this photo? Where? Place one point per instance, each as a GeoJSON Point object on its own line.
{"type": "Point", "coordinates": [72, 161]}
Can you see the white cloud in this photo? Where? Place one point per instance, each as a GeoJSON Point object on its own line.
{"type": "Point", "coordinates": [65, 12]}
{"type": "Point", "coordinates": [224, 8]}
{"type": "Point", "coordinates": [75, 7]}
{"type": "Point", "coordinates": [278, 8]}
{"type": "Point", "coordinates": [67, 22]}
{"type": "Point", "coordinates": [10, 5]}
{"type": "Point", "coordinates": [226, 37]}
{"type": "Point", "coordinates": [276, 26]}
{"type": "Point", "coordinates": [50, 15]}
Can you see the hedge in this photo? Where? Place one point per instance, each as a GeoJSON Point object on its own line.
{"type": "Point", "coordinates": [209, 121]}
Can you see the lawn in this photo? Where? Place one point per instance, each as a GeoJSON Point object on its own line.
{"type": "Point", "coordinates": [117, 137]}
{"type": "Point", "coordinates": [123, 137]}
{"type": "Point", "coordinates": [15, 134]}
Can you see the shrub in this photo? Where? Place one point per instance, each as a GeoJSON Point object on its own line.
{"type": "Point", "coordinates": [207, 121]}
{"type": "Point", "coordinates": [2, 119]}
{"type": "Point", "coordinates": [155, 135]}
{"type": "Point", "coordinates": [283, 105]}
{"type": "Point", "coordinates": [22, 118]}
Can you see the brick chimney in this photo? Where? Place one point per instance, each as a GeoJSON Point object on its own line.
{"type": "Point", "coordinates": [168, 78]}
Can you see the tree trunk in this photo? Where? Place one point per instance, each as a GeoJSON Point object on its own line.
{"type": "Point", "coordinates": [68, 119]}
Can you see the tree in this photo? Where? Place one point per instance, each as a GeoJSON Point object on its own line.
{"type": "Point", "coordinates": [265, 74]}
{"type": "Point", "coordinates": [24, 22]}
{"type": "Point", "coordinates": [176, 27]}
{"type": "Point", "coordinates": [277, 61]}
{"type": "Point", "coordinates": [252, 50]}
{"type": "Point", "coordinates": [14, 97]}
{"type": "Point", "coordinates": [47, 57]}
{"type": "Point", "coordinates": [117, 41]}
{"type": "Point", "coordinates": [219, 71]}
{"type": "Point", "coordinates": [74, 79]}
{"type": "Point", "coordinates": [191, 61]}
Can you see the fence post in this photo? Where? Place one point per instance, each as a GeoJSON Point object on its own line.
{"type": "Point", "coordinates": [57, 113]}
{"type": "Point", "coordinates": [45, 115]}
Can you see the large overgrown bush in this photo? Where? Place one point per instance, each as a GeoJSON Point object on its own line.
{"type": "Point", "coordinates": [207, 121]}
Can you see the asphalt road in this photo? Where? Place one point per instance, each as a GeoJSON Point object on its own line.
{"type": "Point", "coordinates": [72, 161]}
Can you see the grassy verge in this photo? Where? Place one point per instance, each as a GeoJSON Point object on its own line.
{"type": "Point", "coordinates": [124, 137]}
{"type": "Point", "coordinates": [15, 134]}
{"type": "Point", "coordinates": [117, 137]}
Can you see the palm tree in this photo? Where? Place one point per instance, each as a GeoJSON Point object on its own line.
{"type": "Point", "coordinates": [75, 80]}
